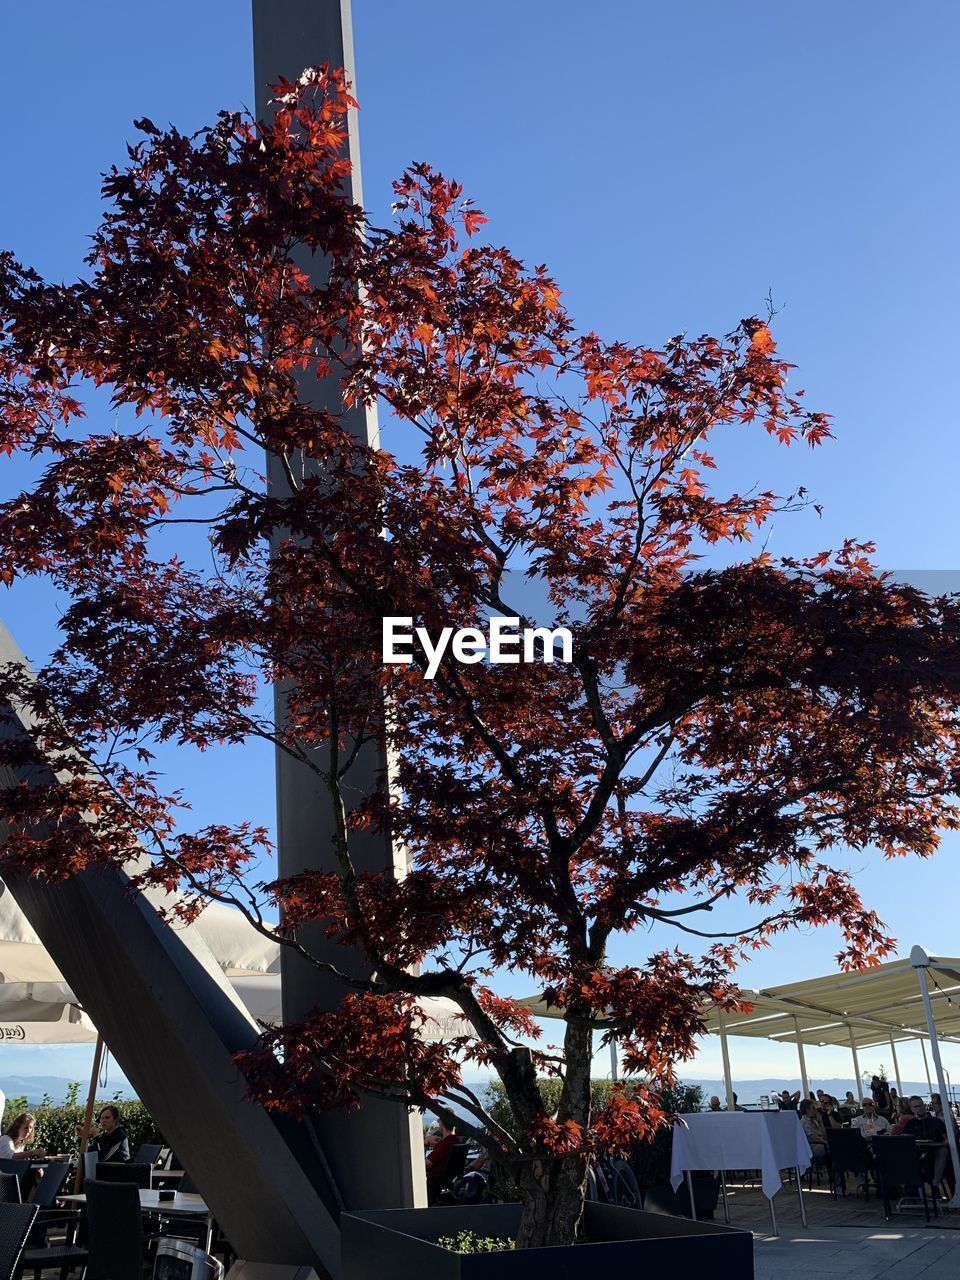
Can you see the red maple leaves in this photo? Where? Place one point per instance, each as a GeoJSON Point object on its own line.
{"type": "Point", "coordinates": [719, 736]}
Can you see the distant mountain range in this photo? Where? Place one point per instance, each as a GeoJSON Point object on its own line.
{"type": "Point", "coordinates": [750, 1091]}
{"type": "Point", "coordinates": [34, 1088]}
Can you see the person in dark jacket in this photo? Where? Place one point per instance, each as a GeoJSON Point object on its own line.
{"type": "Point", "coordinates": [109, 1138]}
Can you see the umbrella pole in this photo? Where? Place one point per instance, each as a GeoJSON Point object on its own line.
{"type": "Point", "coordinates": [88, 1113]}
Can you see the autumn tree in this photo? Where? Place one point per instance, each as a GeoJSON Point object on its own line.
{"type": "Point", "coordinates": [727, 726]}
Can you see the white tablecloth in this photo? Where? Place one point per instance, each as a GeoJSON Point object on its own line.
{"type": "Point", "coordinates": [764, 1140]}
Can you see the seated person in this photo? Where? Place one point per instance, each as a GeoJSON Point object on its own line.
{"type": "Point", "coordinates": [812, 1127]}
{"type": "Point", "coordinates": [848, 1108]}
{"type": "Point", "coordinates": [870, 1123]}
{"type": "Point", "coordinates": [15, 1141]}
{"type": "Point", "coordinates": [438, 1157]}
{"type": "Point", "coordinates": [830, 1116]}
{"type": "Point", "coordinates": [935, 1107]}
{"type": "Point", "coordinates": [736, 1104]}
{"type": "Point", "coordinates": [108, 1137]}
{"type": "Point", "coordinates": [787, 1101]}
{"type": "Point", "coordinates": [920, 1124]}
{"type": "Point", "coordinates": [715, 1104]}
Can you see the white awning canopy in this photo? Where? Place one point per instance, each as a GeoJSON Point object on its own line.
{"type": "Point", "coordinates": [866, 1008]}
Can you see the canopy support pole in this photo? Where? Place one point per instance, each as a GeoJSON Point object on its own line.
{"type": "Point", "coordinates": [921, 962]}
{"type": "Point", "coordinates": [856, 1061]}
{"type": "Point", "coordinates": [804, 1082]}
{"type": "Point", "coordinates": [727, 1077]}
{"type": "Point", "coordinates": [88, 1113]}
{"type": "Point", "coordinates": [614, 1060]}
{"type": "Point", "coordinates": [896, 1067]}
{"type": "Point", "coordinates": [926, 1066]}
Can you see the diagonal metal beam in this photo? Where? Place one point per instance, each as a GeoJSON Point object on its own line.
{"type": "Point", "coordinates": [171, 1020]}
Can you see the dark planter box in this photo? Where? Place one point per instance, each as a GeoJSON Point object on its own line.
{"type": "Point", "coordinates": [663, 1199]}
{"type": "Point", "coordinates": [396, 1244]}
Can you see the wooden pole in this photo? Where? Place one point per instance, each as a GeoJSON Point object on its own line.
{"type": "Point", "coordinates": [88, 1114]}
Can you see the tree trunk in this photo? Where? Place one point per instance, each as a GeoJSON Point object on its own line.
{"type": "Point", "coordinates": [552, 1194]}
{"type": "Point", "coordinates": [553, 1188]}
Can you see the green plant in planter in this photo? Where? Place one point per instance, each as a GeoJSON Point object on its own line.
{"type": "Point", "coordinates": [470, 1242]}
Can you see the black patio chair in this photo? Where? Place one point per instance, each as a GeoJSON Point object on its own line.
{"type": "Point", "coordinates": [21, 1170]}
{"type": "Point", "coordinates": [42, 1253]}
{"type": "Point", "coordinates": [44, 1196]}
{"type": "Point", "coordinates": [115, 1245]}
{"type": "Point", "coordinates": [456, 1162]}
{"type": "Point", "coordinates": [129, 1172]}
{"type": "Point", "coordinates": [848, 1154]}
{"type": "Point", "coordinates": [897, 1163]}
{"type": "Point", "coordinates": [148, 1153]}
{"type": "Point", "coordinates": [10, 1190]}
{"type": "Point", "coordinates": [15, 1223]}
{"type": "Point", "coordinates": [51, 1184]}
{"type": "Point", "coordinates": [818, 1166]}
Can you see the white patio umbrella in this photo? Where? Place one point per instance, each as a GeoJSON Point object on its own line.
{"type": "Point", "coordinates": [38, 1007]}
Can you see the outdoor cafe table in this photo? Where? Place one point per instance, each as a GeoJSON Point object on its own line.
{"type": "Point", "coordinates": [185, 1204]}
{"type": "Point", "coordinates": [724, 1140]}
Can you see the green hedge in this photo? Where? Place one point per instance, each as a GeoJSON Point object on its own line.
{"type": "Point", "coordinates": [650, 1160]}
{"type": "Point", "coordinates": [55, 1121]}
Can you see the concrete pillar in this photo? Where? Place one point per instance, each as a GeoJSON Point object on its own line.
{"type": "Point", "coordinates": [376, 1152]}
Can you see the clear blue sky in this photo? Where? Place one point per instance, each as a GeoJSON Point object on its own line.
{"type": "Point", "coordinates": [672, 164]}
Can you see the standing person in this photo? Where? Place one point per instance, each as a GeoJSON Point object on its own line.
{"type": "Point", "coordinates": [881, 1094]}
{"type": "Point", "coordinates": [108, 1137]}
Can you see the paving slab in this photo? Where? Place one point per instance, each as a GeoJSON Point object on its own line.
{"type": "Point", "coordinates": [845, 1237]}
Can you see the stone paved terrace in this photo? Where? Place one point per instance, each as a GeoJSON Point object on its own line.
{"type": "Point", "coordinates": [847, 1238]}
